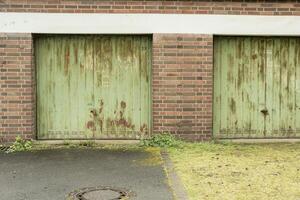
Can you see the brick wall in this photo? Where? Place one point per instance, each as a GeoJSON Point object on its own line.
{"type": "Point", "coordinates": [182, 64]}
{"type": "Point", "coordinates": [16, 87]}
{"type": "Point", "coordinates": [243, 7]}
{"type": "Point", "coordinates": [182, 85]}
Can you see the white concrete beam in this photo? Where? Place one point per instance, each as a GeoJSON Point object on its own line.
{"type": "Point", "coordinates": [148, 24]}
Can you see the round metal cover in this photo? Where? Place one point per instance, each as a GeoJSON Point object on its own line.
{"type": "Point", "coordinates": [100, 193]}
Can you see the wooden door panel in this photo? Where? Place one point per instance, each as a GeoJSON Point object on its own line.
{"type": "Point", "coordinates": [283, 65]}
{"type": "Point", "coordinates": [256, 87]}
{"type": "Point", "coordinates": [122, 89]}
{"type": "Point", "coordinates": [93, 86]}
{"type": "Point", "coordinates": [239, 85]}
{"type": "Point", "coordinates": [64, 86]}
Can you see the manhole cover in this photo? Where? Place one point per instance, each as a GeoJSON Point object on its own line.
{"type": "Point", "coordinates": [100, 193]}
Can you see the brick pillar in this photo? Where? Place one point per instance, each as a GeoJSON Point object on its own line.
{"type": "Point", "coordinates": [17, 93]}
{"type": "Point", "coordinates": [183, 85]}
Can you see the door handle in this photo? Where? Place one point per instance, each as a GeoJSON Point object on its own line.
{"type": "Point", "coordinates": [264, 111]}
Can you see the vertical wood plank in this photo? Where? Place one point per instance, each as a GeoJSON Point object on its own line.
{"type": "Point", "coordinates": [217, 87]}
{"type": "Point", "coordinates": [297, 87]}
{"type": "Point", "coordinates": [270, 70]}
{"type": "Point", "coordinates": [145, 81]}
{"type": "Point", "coordinates": [291, 88]}
{"type": "Point", "coordinates": [224, 99]}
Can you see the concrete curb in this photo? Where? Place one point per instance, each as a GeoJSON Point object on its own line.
{"type": "Point", "coordinates": [176, 185]}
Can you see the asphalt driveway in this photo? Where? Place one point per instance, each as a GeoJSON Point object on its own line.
{"type": "Point", "coordinates": [53, 174]}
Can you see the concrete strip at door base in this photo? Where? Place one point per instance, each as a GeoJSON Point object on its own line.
{"type": "Point", "coordinates": [59, 142]}
{"type": "Point", "coordinates": [279, 140]}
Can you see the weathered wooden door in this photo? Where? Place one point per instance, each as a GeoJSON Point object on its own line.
{"type": "Point", "coordinates": [93, 86]}
{"type": "Point", "coordinates": [256, 87]}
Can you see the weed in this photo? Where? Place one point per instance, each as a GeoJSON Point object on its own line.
{"type": "Point", "coordinates": [161, 140]}
{"type": "Point", "coordinates": [20, 145]}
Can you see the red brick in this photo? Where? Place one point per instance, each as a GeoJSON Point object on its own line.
{"type": "Point", "coordinates": [16, 47]}
{"type": "Point", "coordinates": [133, 6]}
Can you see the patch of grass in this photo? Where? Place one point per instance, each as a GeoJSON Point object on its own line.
{"type": "Point", "coordinates": [161, 140]}
{"type": "Point", "coordinates": [20, 145]}
{"type": "Point", "coordinates": [239, 171]}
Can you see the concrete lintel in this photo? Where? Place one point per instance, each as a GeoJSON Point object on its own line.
{"type": "Point", "coordinates": [99, 23]}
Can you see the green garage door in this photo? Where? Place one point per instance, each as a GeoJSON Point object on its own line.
{"type": "Point", "coordinates": [93, 86]}
{"type": "Point", "coordinates": [256, 87]}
